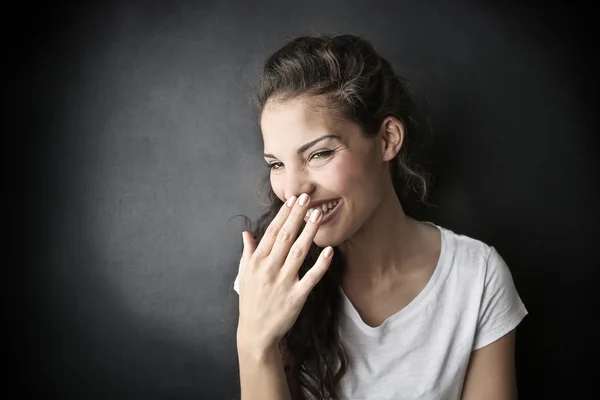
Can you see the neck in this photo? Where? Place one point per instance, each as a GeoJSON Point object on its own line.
{"type": "Point", "coordinates": [380, 249]}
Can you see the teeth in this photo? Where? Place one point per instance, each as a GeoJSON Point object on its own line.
{"type": "Point", "coordinates": [325, 208]}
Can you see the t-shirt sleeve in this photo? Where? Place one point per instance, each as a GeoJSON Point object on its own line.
{"type": "Point", "coordinates": [501, 308]}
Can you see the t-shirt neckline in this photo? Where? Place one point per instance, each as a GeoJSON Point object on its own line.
{"type": "Point", "coordinates": [411, 307]}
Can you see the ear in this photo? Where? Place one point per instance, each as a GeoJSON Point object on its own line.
{"type": "Point", "coordinates": [392, 137]}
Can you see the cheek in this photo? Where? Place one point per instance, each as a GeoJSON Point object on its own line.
{"type": "Point", "coordinates": [350, 172]}
{"type": "Point", "coordinates": [345, 175]}
{"type": "Point", "coordinates": [277, 186]}
{"type": "Point", "coordinates": [341, 178]}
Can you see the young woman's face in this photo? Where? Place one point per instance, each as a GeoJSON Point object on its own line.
{"type": "Point", "coordinates": [347, 167]}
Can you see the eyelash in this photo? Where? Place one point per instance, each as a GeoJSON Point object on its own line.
{"type": "Point", "coordinates": [323, 154]}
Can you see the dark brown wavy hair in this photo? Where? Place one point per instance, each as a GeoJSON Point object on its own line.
{"type": "Point", "coordinates": [344, 74]}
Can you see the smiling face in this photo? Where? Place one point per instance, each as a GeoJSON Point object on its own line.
{"type": "Point", "coordinates": [311, 152]}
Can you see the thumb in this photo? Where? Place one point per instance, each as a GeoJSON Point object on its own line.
{"type": "Point", "coordinates": [249, 244]}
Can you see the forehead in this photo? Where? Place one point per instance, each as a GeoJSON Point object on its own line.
{"type": "Point", "coordinates": [291, 123]}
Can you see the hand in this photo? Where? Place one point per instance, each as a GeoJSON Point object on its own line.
{"type": "Point", "coordinates": [271, 295]}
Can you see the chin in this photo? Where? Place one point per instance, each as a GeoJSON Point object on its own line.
{"type": "Point", "coordinates": [321, 243]}
{"type": "Point", "coordinates": [325, 240]}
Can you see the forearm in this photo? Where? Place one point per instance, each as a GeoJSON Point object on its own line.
{"type": "Point", "coordinates": [262, 375]}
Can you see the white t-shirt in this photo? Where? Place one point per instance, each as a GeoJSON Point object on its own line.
{"type": "Point", "coordinates": [422, 351]}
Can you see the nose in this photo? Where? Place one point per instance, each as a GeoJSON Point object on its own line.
{"type": "Point", "coordinates": [296, 183]}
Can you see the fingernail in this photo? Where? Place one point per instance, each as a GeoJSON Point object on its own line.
{"type": "Point", "coordinates": [291, 201]}
{"type": "Point", "coordinates": [303, 199]}
{"type": "Point", "coordinates": [314, 217]}
{"type": "Point", "coordinates": [328, 251]}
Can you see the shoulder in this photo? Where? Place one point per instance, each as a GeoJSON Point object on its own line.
{"type": "Point", "coordinates": [479, 285]}
{"type": "Point", "coordinates": [467, 257]}
{"type": "Point", "coordinates": [474, 270]}
{"type": "Point", "coordinates": [491, 286]}
{"type": "Point", "coordinates": [471, 257]}
{"type": "Point", "coordinates": [466, 246]}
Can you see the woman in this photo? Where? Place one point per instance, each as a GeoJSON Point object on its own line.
{"type": "Point", "coordinates": [343, 295]}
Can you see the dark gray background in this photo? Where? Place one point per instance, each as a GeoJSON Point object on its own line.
{"type": "Point", "coordinates": [140, 144]}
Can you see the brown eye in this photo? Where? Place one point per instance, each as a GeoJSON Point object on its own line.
{"type": "Point", "coordinates": [275, 166]}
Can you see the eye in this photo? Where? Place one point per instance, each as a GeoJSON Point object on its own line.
{"type": "Point", "coordinates": [274, 166]}
{"type": "Point", "coordinates": [321, 154]}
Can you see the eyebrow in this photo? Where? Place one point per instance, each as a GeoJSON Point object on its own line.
{"type": "Point", "coordinates": [308, 145]}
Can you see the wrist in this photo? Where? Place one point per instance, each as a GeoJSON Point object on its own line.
{"type": "Point", "coordinates": [258, 354]}
{"type": "Point", "coordinates": [257, 350]}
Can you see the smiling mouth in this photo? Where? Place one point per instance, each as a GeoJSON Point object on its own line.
{"type": "Point", "coordinates": [325, 208]}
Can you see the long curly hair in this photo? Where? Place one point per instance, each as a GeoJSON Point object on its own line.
{"type": "Point", "coordinates": [344, 74]}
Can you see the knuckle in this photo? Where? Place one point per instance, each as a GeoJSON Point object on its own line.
{"type": "Point", "coordinates": [310, 279]}
{"type": "Point", "coordinates": [265, 274]}
{"type": "Point", "coordinates": [292, 302]}
{"type": "Point", "coordinates": [297, 253]}
{"type": "Point", "coordinates": [271, 231]}
{"type": "Point", "coordinates": [284, 235]}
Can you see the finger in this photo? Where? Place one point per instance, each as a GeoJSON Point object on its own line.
{"type": "Point", "coordinates": [299, 249]}
{"type": "Point", "coordinates": [244, 258]}
{"type": "Point", "coordinates": [314, 275]}
{"type": "Point", "coordinates": [289, 231]}
{"type": "Point", "coordinates": [265, 246]}
{"type": "Point", "coordinates": [249, 246]}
